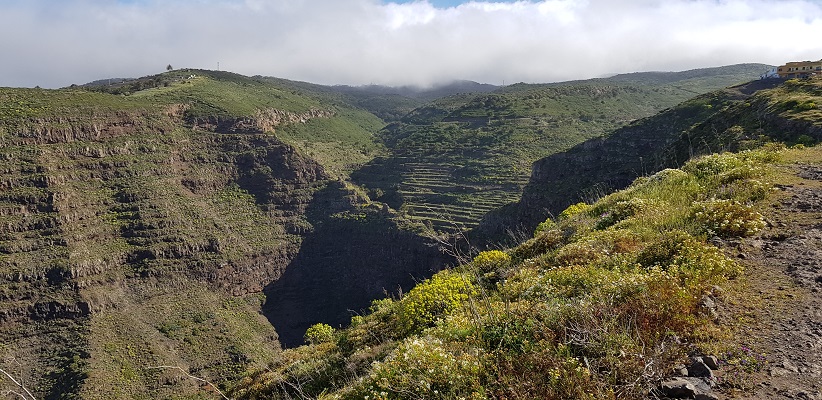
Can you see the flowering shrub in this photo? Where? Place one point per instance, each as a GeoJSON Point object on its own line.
{"type": "Point", "coordinates": [431, 299]}
{"type": "Point", "coordinates": [728, 218]}
{"type": "Point", "coordinates": [745, 190]}
{"type": "Point", "coordinates": [573, 210]}
{"type": "Point", "coordinates": [689, 259]}
{"type": "Point", "coordinates": [737, 364]}
{"type": "Point", "coordinates": [492, 260]}
{"type": "Point", "coordinates": [712, 165]}
{"type": "Point", "coordinates": [319, 333]}
{"type": "Point", "coordinates": [423, 368]}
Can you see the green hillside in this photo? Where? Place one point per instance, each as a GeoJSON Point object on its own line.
{"type": "Point", "coordinates": [320, 125]}
{"type": "Point", "coordinates": [140, 224]}
{"type": "Point", "coordinates": [625, 295]}
{"type": "Point", "coordinates": [603, 302]}
{"type": "Point", "coordinates": [734, 118]}
{"type": "Point", "coordinates": [459, 157]}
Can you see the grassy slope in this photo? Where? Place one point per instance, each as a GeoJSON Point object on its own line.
{"type": "Point", "coordinates": [340, 143]}
{"type": "Point", "coordinates": [459, 157]}
{"type": "Point", "coordinates": [728, 119]}
{"type": "Point", "coordinates": [600, 303]}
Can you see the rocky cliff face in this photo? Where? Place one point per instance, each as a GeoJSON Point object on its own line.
{"type": "Point", "coordinates": [103, 212]}
{"type": "Point", "coordinates": [267, 120]}
{"type": "Point", "coordinates": [131, 237]}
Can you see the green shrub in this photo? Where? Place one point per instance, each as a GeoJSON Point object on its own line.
{"type": "Point", "coordinates": [544, 226]}
{"type": "Point", "coordinates": [319, 333]}
{"type": "Point", "coordinates": [573, 210]}
{"type": "Point", "coordinates": [489, 261]}
{"type": "Point", "coordinates": [596, 246]}
{"type": "Point", "coordinates": [728, 218]}
{"type": "Point", "coordinates": [423, 368]}
{"type": "Point", "coordinates": [712, 165]}
{"type": "Point", "coordinates": [610, 215]}
{"type": "Point", "coordinates": [806, 106]}
{"type": "Point", "coordinates": [431, 299]}
{"type": "Point", "coordinates": [805, 140]}
{"type": "Point", "coordinates": [542, 243]}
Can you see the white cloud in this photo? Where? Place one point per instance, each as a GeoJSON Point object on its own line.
{"type": "Point", "coordinates": [366, 41]}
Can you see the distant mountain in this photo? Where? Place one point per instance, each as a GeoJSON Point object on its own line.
{"type": "Point", "coordinates": [423, 93]}
{"type": "Point", "coordinates": [458, 157]}
{"type": "Point", "coordinates": [108, 82]}
{"type": "Point", "coordinates": [724, 120]}
{"type": "Point", "coordinates": [691, 76]}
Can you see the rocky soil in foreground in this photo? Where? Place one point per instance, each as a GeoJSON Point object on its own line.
{"type": "Point", "coordinates": [784, 275]}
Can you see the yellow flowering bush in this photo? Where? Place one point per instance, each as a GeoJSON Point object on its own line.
{"type": "Point", "coordinates": [488, 261]}
{"type": "Point", "coordinates": [573, 210]}
{"type": "Point", "coordinates": [423, 368]}
{"type": "Point", "coordinates": [431, 299]}
{"type": "Point", "coordinates": [319, 333]}
{"type": "Point", "coordinates": [728, 218]}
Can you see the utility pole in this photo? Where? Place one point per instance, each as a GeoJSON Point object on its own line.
{"type": "Point", "coordinates": [218, 65]}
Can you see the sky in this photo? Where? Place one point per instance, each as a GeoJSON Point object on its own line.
{"type": "Point", "coordinates": [418, 42]}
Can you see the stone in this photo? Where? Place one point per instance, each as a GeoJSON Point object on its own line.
{"type": "Point", "coordinates": [706, 396]}
{"type": "Point", "coordinates": [699, 369]}
{"type": "Point", "coordinates": [711, 362]}
{"type": "Point", "coordinates": [708, 302]}
{"type": "Point", "coordinates": [678, 388]}
{"type": "Point", "coordinates": [788, 365]}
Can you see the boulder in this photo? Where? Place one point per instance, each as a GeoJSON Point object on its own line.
{"type": "Point", "coordinates": [698, 369]}
{"type": "Point", "coordinates": [678, 388]}
{"type": "Point", "coordinates": [711, 362]}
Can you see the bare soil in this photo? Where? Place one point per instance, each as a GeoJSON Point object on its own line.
{"type": "Point", "coordinates": [781, 311]}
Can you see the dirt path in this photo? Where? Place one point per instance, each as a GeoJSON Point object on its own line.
{"type": "Point", "coordinates": [783, 310]}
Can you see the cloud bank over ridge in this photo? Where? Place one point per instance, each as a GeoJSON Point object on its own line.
{"type": "Point", "coordinates": [54, 44]}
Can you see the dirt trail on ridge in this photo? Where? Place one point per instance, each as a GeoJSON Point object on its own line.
{"type": "Point", "coordinates": [784, 274]}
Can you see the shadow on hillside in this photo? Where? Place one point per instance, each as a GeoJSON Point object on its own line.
{"type": "Point", "coordinates": [343, 264]}
{"type": "Point", "coordinates": [601, 165]}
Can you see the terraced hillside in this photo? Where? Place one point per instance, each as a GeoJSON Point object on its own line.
{"type": "Point", "coordinates": [139, 229]}
{"type": "Point", "coordinates": [734, 118]}
{"type": "Point", "coordinates": [692, 283]}
{"type": "Point", "coordinates": [457, 157]}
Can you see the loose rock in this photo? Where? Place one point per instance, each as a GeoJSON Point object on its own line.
{"type": "Point", "coordinates": [678, 388]}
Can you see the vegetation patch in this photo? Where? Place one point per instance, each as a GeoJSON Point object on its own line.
{"type": "Point", "coordinates": [599, 304]}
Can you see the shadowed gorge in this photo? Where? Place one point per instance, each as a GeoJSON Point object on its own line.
{"type": "Point", "coordinates": [340, 267]}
